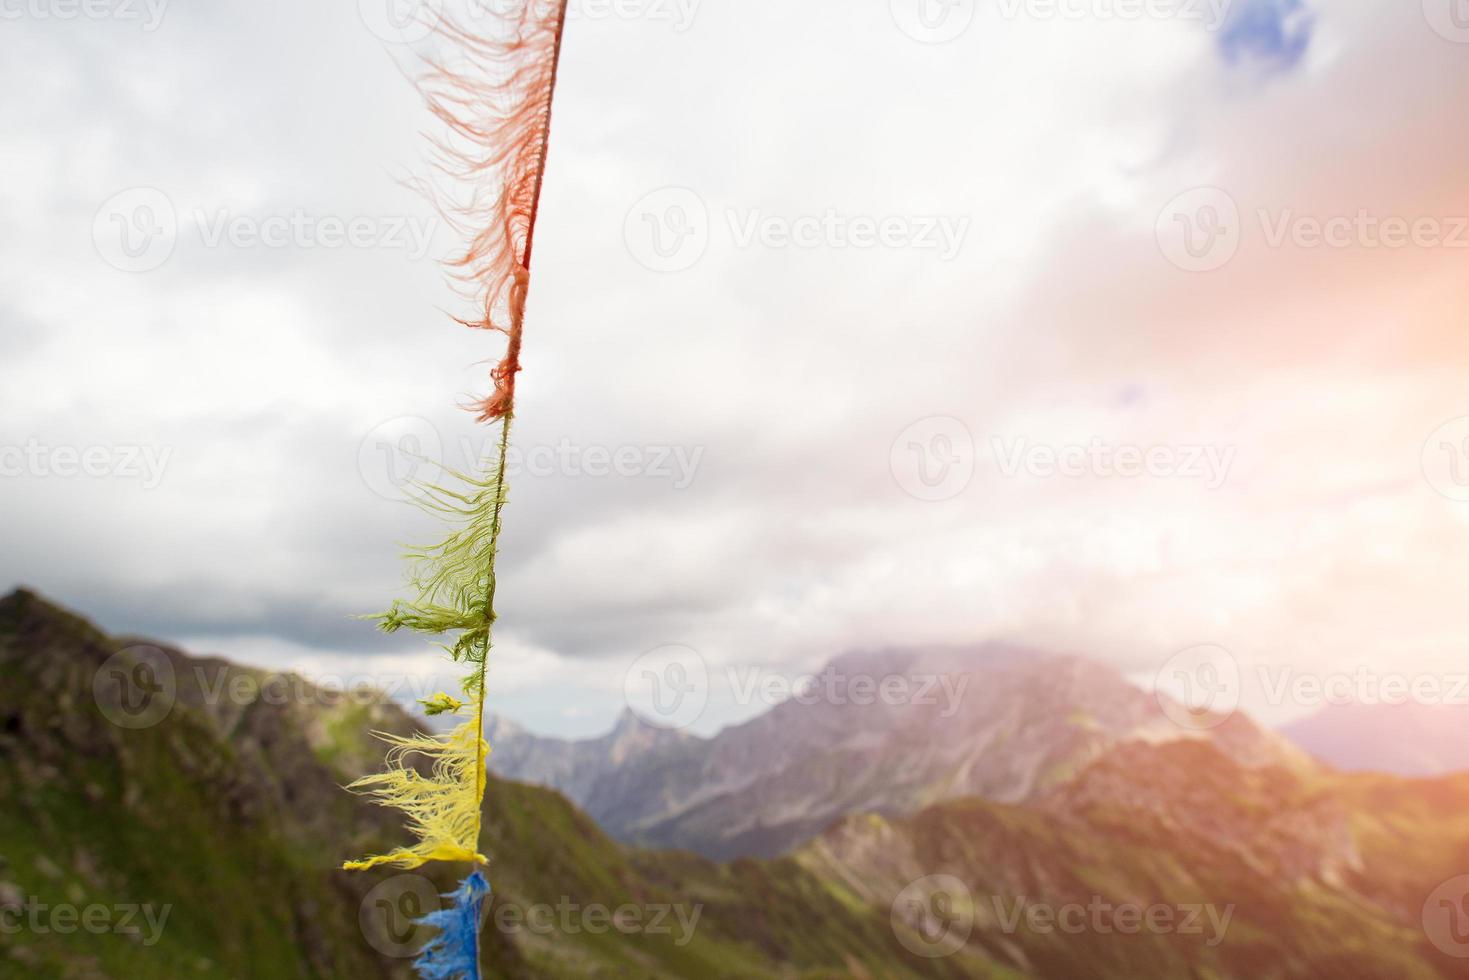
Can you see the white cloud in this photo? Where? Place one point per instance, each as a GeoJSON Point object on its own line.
{"type": "Point", "coordinates": [793, 369]}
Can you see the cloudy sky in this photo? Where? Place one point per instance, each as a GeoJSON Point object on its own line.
{"type": "Point", "coordinates": [1101, 326]}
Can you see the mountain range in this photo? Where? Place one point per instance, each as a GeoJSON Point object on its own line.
{"type": "Point", "coordinates": [1010, 725]}
{"type": "Point", "coordinates": [1405, 739]}
{"type": "Point", "coordinates": [134, 774]}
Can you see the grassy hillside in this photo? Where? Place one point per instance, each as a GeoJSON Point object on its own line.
{"type": "Point", "coordinates": [228, 816]}
{"type": "Point", "coordinates": [229, 813]}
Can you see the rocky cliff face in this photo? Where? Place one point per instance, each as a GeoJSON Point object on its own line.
{"type": "Point", "coordinates": [1002, 723]}
{"type": "Point", "coordinates": [1282, 874]}
{"type": "Point", "coordinates": [126, 784]}
{"type": "Point", "coordinates": [134, 775]}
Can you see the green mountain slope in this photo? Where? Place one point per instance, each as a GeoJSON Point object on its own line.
{"type": "Point", "coordinates": [1285, 875]}
{"type": "Point", "coordinates": [224, 818]}
{"type": "Point", "coordinates": [228, 813]}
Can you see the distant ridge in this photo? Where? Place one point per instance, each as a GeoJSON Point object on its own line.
{"type": "Point", "coordinates": [229, 811]}
{"type": "Point", "coordinates": [1002, 722]}
{"type": "Point", "coordinates": [1402, 739]}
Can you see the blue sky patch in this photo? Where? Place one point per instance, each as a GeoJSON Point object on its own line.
{"type": "Point", "coordinates": [1274, 33]}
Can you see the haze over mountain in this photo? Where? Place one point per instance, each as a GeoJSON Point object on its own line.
{"type": "Point", "coordinates": [226, 808]}
{"type": "Point", "coordinates": [1403, 739]}
{"type": "Point", "coordinates": [998, 722]}
{"type": "Point", "coordinates": [135, 774]}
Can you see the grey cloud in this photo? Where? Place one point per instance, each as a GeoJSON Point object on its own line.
{"type": "Point", "coordinates": [793, 372]}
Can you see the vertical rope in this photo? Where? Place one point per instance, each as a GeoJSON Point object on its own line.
{"type": "Point", "coordinates": [512, 362]}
